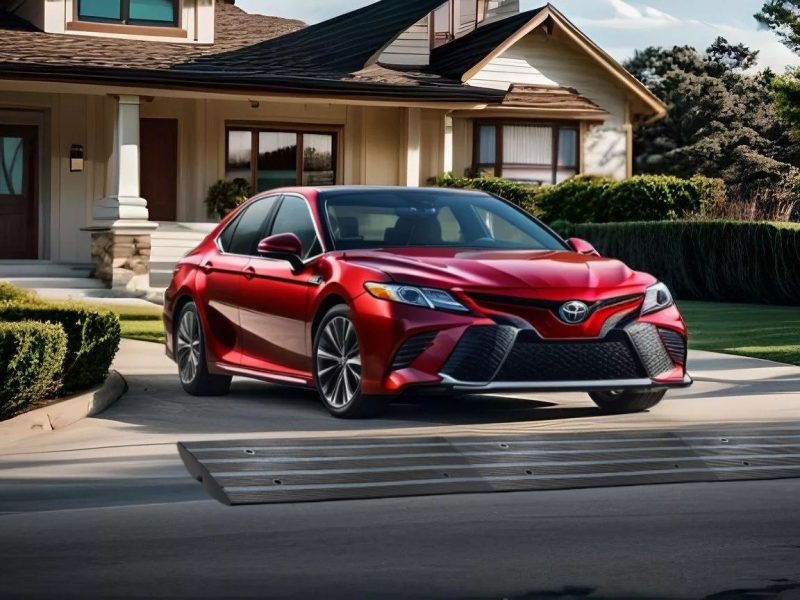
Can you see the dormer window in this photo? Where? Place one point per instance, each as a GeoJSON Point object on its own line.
{"type": "Point", "coordinates": [151, 13]}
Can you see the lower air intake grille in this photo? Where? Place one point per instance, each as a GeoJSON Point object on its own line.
{"type": "Point", "coordinates": [479, 353]}
{"type": "Point", "coordinates": [411, 349]}
{"type": "Point", "coordinates": [675, 344]}
{"type": "Point", "coordinates": [535, 360]}
{"type": "Point", "coordinates": [651, 349]}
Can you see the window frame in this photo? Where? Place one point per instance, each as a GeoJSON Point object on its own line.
{"type": "Point", "coordinates": [300, 131]}
{"type": "Point", "coordinates": [499, 124]}
{"type": "Point", "coordinates": [125, 19]}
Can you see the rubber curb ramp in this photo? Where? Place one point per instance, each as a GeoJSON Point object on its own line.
{"type": "Point", "coordinates": [279, 471]}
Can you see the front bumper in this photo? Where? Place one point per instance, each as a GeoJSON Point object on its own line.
{"type": "Point", "coordinates": [605, 385]}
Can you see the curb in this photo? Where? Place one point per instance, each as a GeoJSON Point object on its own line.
{"type": "Point", "coordinates": [65, 413]}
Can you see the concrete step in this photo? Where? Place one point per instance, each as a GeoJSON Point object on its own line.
{"type": "Point", "coordinates": [60, 283]}
{"type": "Point", "coordinates": [44, 269]}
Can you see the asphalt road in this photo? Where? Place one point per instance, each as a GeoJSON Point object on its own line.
{"type": "Point", "coordinates": [105, 509]}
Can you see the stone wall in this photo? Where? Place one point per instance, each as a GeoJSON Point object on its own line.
{"type": "Point", "coordinates": [122, 259]}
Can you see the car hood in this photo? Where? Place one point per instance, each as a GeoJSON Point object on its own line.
{"type": "Point", "coordinates": [473, 269]}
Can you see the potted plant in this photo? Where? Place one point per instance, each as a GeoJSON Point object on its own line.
{"type": "Point", "coordinates": [224, 196]}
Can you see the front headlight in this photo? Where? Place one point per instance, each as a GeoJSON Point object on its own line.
{"type": "Point", "coordinates": [657, 297]}
{"type": "Point", "coordinates": [415, 296]}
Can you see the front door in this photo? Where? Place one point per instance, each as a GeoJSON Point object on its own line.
{"type": "Point", "coordinates": [159, 167]}
{"type": "Point", "coordinates": [19, 203]}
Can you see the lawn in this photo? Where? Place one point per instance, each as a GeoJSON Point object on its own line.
{"type": "Point", "coordinates": [768, 332]}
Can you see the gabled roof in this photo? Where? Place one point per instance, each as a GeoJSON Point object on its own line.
{"type": "Point", "coordinates": [459, 56]}
{"type": "Point", "coordinates": [251, 53]}
{"type": "Point", "coordinates": [464, 57]}
{"type": "Point", "coordinates": [347, 43]}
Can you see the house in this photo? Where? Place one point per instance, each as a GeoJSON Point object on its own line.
{"type": "Point", "coordinates": [117, 115]}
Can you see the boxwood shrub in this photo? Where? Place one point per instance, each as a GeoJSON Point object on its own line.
{"type": "Point", "coordinates": [92, 338]}
{"type": "Point", "coordinates": [516, 193]}
{"type": "Point", "coordinates": [31, 357]}
{"type": "Point", "coordinates": [706, 260]}
{"type": "Point", "coordinates": [11, 293]}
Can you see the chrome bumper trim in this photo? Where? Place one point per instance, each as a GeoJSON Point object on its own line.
{"type": "Point", "coordinates": [561, 386]}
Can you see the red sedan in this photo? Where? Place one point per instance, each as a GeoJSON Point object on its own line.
{"type": "Point", "coordinates": [369, 293]}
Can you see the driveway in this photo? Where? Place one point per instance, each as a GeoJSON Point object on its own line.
{"type": "Point", "coordinates": [106, 509]}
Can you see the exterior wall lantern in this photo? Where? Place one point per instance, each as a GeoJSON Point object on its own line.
{"type": "Point", "coordinates": [76, 157]}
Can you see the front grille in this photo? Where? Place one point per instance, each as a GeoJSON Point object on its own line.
{"type": "Point", "coordinates": [651, 349]}
{"type": "Point", "coordinates": [532, 359]}
{"type": "Point", "coordinates": [675, 344]}
{"type": "Point", "coordinates": [411, 349]}
{"type": "Point", "coordinates": [479, 353]}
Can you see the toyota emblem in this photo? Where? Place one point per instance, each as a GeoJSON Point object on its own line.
{"type": "Point", "coordinates": [574, 312]}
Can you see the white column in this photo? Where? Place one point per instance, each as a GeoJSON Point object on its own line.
{"type": "Point", "coordinates": [124, 206]}
{"type": "Point", "coordinates": [413, 147]}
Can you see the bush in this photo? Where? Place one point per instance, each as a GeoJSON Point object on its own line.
{"type": "Point", "coordinates": [516, 193]}
{"type": "Point", "coordinates": [706, 260]}
{"type": "Point", "coordinates": [93, 338]}
{"type": "Point", "coordinates": [224, 196]}
{"type": "Point", "coordinates": [640, 198]}
{"type": "Point", "coordinates": [11, 293]}
{"type": "Point", "coordinates": [31, 357]}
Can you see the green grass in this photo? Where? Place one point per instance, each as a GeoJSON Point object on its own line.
{"type": "Point", "coordinates": [139, 322]}
{"type": "Point", "coordinates": [759, 331]}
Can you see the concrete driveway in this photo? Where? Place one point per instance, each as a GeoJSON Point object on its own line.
{"type": "Point", "coordinates": [106, 509]}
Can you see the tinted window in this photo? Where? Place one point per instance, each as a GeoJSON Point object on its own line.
{"type": "Point", "coordinates": [430, 218]}
{"type": "Point", "coordinates": [249, 226]}
{"type": "Point", "coordinates": [294, 217]}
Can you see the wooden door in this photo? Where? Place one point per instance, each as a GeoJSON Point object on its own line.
{"type": "Point", "coordinates": [19, 202]}
{"type": "Point", "coordinates": [159, 167]}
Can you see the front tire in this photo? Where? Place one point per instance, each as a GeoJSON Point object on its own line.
{"type": "Point", "coordinates": [337, 368]}
{"type": "Point", "coordinates": [627, 401]}
{"type": "Point", "coordinates": [190, 354]}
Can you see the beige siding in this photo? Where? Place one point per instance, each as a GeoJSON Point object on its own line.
{"type": "Point", "coordinates": [500, 9]}
{"type": "Point", "coordinates": [551, 60]}
{"type": "Point", "coordinates": [412, 47]}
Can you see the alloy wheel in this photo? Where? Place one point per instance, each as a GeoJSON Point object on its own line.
{"type": "Point", "coordinates": [339, 362]}
{"type": "Point", "coordinates": [188, 346]}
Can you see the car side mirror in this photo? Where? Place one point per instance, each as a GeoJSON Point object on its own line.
{"type": "Point", "coordinates": [284, 246]}
{"type": "Point", "coordinates": [582, 247]}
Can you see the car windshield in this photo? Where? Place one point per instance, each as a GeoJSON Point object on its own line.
{"type": "Point", "coordinates": [384, 218]}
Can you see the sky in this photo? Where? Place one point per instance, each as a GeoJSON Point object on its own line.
{"type": "Point", "coordinates": [618, 26]}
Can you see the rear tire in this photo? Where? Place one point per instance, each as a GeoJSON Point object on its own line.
{"type": "Point", "coordinates": [628, 401]}
{"type": "Point", "coordinates": [336, 364]}
{"type": "Point", "coordinates": [190, 354]}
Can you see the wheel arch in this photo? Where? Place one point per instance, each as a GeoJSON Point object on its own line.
{"type": "Point", "coordinates": [328, 303]}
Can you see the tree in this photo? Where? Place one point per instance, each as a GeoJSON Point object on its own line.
{"type": "Point", "coordinates": [783, 17]}
{"type": "Point", "coordinates": [722, 118]}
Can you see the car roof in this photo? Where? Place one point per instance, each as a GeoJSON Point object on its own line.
{"type": "Point", "coordinates": [353, 189]}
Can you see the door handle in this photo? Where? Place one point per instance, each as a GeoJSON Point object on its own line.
{"type": "Point", "coordinates": [249, 273]}
{"type": "Point", "coordinates": [207, 266]}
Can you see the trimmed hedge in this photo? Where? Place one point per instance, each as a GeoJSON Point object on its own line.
{"type": "Point", "coordinates": [31, 357]}
{"type": "Point", "coordinates": [706, 260]}
{"type": "Point", "coordinates": [640, 198]}
{"type": "Point", "coordinates": [516, 193]}
{"type": "Point", "coordinates": [589, 199]}
{"type": "Point", "coordinates": [92, 338]}
{"type": "Point", "coordinates": [11, 293]}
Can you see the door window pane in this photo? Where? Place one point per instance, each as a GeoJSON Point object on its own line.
{"type": "Point", "coordinates": [240, 155]}
{"type": "Point", "coordinates": [159, 11]}
{"type": "Point", "coordinates": [250, 226]}
{"type": "Point", "coordinates": [294, 217]}
{"type": "Point", "coordinates": [105, 10]}
{"type": "Point", "coordinates": [12, 158]}
{"type": "Point", "coordinates": [318, 167]}
{"type": "Point", "coordinates": [277, 160]}
{"type": "Point", "coordinates": [487, 144]}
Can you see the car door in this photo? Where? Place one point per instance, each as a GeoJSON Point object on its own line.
{"type": "Point", "coordinates": [274, 309]}
{"type": "Point", "coordinates": [222, 279]}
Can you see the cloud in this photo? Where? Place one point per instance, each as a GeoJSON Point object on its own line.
{"type": "Point", "coordinates": [628, 17]}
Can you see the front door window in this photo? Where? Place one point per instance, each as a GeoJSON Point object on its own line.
{"type": "Point", "coordinates": [11, 163]}
{"type": "Point", "coordinates": [19, 207]}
